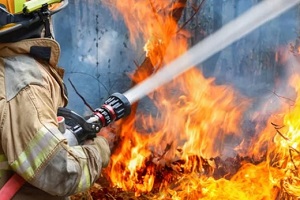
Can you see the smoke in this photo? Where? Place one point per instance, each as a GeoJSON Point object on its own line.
{"type": "Point", "coordinates": [253, 65]}
{"type": "Point", "coordinates": [252, 58]}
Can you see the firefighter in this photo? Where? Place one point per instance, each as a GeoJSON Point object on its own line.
{"type": "Point", "coordinates": [32, 90]}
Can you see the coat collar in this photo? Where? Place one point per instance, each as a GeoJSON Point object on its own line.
{"type": "Point", "coordinates": [42, 48]}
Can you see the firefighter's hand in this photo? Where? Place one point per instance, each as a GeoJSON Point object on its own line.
{"type": "Point", "coordinates": [103, 148]}
{"type": "Point", "coordinates": [110, 140]}
{"type": "Point", "coordinates": [88, 142]}
{"type": "Point", "coordinates": [110, 136]}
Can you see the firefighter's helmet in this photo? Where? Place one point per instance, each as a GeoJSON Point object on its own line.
{"type": "Point", "coordinates": [21, 19]}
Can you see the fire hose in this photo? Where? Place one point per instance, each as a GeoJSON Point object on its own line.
{"type": "Point", "coordinates": [114, 108]}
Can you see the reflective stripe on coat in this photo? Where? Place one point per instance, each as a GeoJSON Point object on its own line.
{"type": "Point", "coordinates": [31, 90]}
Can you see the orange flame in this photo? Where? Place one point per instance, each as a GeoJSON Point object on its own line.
{"type": "Point", "coordinates": [193, 118]}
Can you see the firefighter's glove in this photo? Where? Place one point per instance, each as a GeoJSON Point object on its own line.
{"type": "Point", "coordinates": [103, 147]}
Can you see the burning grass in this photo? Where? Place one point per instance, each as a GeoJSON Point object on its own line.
{"type": "Point", "coordinates": [172, 179]}
{"type": "Point", "coordinates": [232, 178]}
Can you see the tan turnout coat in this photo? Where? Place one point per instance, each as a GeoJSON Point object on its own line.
{"type": "Point", "coordinates": [31, 90]}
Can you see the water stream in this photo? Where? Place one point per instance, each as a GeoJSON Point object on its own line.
{"type": "Point", "coordinates": [229, 33]}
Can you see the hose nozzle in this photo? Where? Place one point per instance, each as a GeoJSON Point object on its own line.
{"type": "Point", "coordinates": [115, 107]}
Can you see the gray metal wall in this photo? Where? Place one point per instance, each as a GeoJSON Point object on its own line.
{"type": "Point", "coordinates": [95, 52]}
{"type": "Point", "coordinates": [97, 55]}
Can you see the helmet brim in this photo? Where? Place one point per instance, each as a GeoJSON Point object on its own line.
{"type": "Point", "coordinates": [27, 21]}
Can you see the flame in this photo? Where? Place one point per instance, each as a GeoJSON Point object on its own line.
{"type": "Point", "coordinates": [195, 124]}
{"type": "Point", "coordinates": [241, 186]}
{"type": "Point", "coordinates": [193, 120]}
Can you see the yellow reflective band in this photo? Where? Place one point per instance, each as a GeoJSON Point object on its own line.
{"type": "Point", "coordinates": [34, 5]}
{"type": "Point", "coordinates": [4, 166]}
{"type": "Point", "coordinates": [35, 154]}
{"type": "Point", "coordinates": [85, 181]}
{"type": "Point", "coordinates": [19, 5]}
{"type": "Point", "coordinates": [2, 157]}
{"type": "Point", "coordinates": [3, 163]}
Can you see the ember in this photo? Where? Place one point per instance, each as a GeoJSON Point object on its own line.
{"type": "Point", "coordinates": [190, 145]}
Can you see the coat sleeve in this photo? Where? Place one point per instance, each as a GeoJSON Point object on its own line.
{"type": "Point", "coordinates": [37, 150]}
